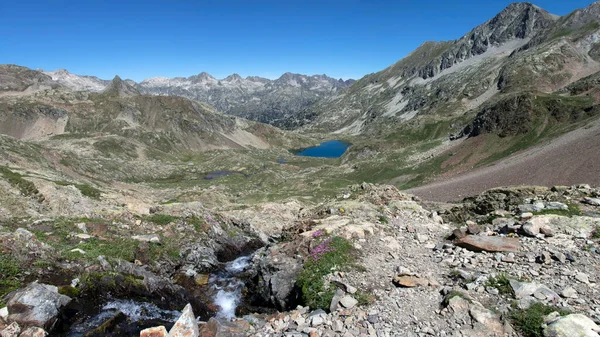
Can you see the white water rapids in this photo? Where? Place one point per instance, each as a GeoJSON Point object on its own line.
{"type": "Point", "coordinates": [228, 288]}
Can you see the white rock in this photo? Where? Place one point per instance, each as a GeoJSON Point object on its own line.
{"type": "Point", "coordinates": [569, 293]}
{"type": "Point", "coordinates": [574, 325]}
{"type": "Point", "coordinates": [78, 250]}
{"type": "Point", "coordinates": [186, 325]}
{"type": "Point", "coordinates": [348, 302]}
{"type": "Point", "coordinates": [582, 277]}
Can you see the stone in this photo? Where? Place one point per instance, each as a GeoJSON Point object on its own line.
{"type": "Point", "coordinates": [348, 302]}
{"type": "Point", "coordinates": [571, 326]}
{"type": "Point", "coordinates": [534, 225]}
{"type": "Point", "coordinates": [153, 238]}
{"type": "Point", "coordinates": [82, 227]}
{"type": "Point", "coordinates": [34, 332]}
{"type": "Point", "coordinates": [201, 279]}
{"type": "Point", "coordinates": [410, 281]}
{"type": "Point", "coordinates": [526, 289]}
{"type": "Point", "coordinates": [186, 325]}
{"type": "Point", "coordinates": [36, 305]}
{"type": "Point", "coordinates": [473, 229]}
{"type": "Point", "coordinates": [459, 233]}
{"type": "Point", "coordinates": [335, 301]}
{"type": "Point", "coordinates": [83, 236]}
{"type": "Point", "coordinates": [489, 243]}
{"type": "Point", "coordinates": [526, 215]}
{"type": "Point", "coordinates": [560, 257]}
{"type": "Point", "coordinates": [591, 201]}
{"type": "Point", "coordinates": [556, 205]}
{"type": "Point", "coordinates": [11, 330]}
{"type": "Point", "coordinates": [582, 277]}
{"type": "Point", "coordinates": [159, 331]}
{"type": "Point", "coordinates": [3, 314]}
{"type": "Point", "coordinates": [569, 293]}
{"type": "Point", "coordinates": [487, 319]}
{"type": "Point", "coordinates": [78, 250]}
{"type": "Point", "coordinates": [316, 321]}
{"type": "Point", "coordinates": [509, 258]}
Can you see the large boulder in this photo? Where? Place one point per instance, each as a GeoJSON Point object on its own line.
{"type": "Point", "coordinates": [489, 243]}
{"type": "Point", "coordinates": [276, 274]}
{"type": "Point", "coordinates": [574, 325]}
{"type": "Point", "coordinates": [186, 325]}
{"type": "Point", "coordinates": [36, 305]}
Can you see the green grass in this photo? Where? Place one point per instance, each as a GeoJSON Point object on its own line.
{"type": "Point", "coordinates": [383, 219]}
{"type": "Point", "coordinates": [10, 269]}
{"type": "Point", "coordinates": [26, 187]}
{"type": "Point", "coordinates": [160, 219]}
{"type": "Point", "coordinates": [500, 282]}
{"type": "Point", "coordinates": [529, 321]}
{"type": "Point", "coordinates": [596, 233]}
{"type": "Point", "coordinates": [85, 189]}
{"type": "Point", "coordinates": [573, 210]}
{"type": "Point", "coordinates": [340, 256]}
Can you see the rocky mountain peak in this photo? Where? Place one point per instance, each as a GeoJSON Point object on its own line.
{"type": "Point", "coordinates": [118, 87]}
{"type": "Point", "coordinates": [233, 78]}
{"type": "Point", "coordinates": [203, 77]}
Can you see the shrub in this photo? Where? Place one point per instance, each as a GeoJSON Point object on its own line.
{"type": "Point", "coordinates": [528, 321]}
{"type": "Point", "coordinates": [330, 254]}
{"type": "Point", "coordinates": [10, 270]}
{"type": "Point", "coordinates": [500, 282]}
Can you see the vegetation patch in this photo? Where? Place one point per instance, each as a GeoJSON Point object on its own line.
{"type": "Point", "coordinates": [160, 219]}
{"type": "Point", "coordinates": [500, 282]}
{"type": "Point", "coordinates": [528, 321]}
{"type": "Point", "coordinates": [10, 270]}
{"type": "Point", "coordinates": [330, 254]}
{"type": "Point", "coordinates": [26, 187]}
{"type": "Point", "coordinates": [85, 189]}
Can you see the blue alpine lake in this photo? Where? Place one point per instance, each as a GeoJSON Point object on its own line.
{"type": "Point", "coordinates": [329, 149]}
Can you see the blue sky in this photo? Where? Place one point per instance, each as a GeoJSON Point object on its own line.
{"type": "Point", "coordinates": [141, 39]}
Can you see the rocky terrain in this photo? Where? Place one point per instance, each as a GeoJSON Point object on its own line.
{"type": "Point", "coordinates": [276, 102]}
{"type": "Point", "coordinates": [147, 209]}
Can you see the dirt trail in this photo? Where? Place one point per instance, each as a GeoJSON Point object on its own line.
{"type": "Point", "coordinates": [572, 158]}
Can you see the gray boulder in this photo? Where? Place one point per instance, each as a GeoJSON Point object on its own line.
{"type": "Point", "coordinates": [277, 273]}
{"type": "Point", "coordinates": [574, 325]}
{"type": "Point", "coordinates": [36, 305]}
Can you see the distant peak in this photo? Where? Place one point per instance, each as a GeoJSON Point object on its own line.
{"type": "Point", "coordinates": [233, 77]}
{"type": "Point", "coordinates": [118, 87]}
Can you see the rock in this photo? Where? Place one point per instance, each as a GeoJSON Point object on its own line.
{"type": "Point", "coordinates": [509, 258]}
{"type": "Point", "coordinates": [574, 325]}
{"type": "Point", "coordinates": [473, 229]}
{"type": "Point", "coordinates": [489, 321]}
{"type": "Point", "coordinates": [582, 277]}
{"type": "Point", "coordinates": [534, 225]}
{"type": "Point", "coordinates": [153, 238]}
{"type": "Point", "coordinates": [36, 305]}
{"type": "Point", "coordinates": [569, 293]}
{"type": "Point", "coordinates": [529, 208]}
{"type": "Point", "coordinates": [335, 301]}
{"type": "Point", "coordinates": [82, 227]}
{"type": "Point", "coordinates": [83, 236]}
{"type": "Point", "coordinates": [222, 328]}
{"type": "Point", "coordinates": [560, 257]}
{"type": "Point", "coordinates": [103, 263]}
{"type": "Point", "coordinates": [316, 321]}
{"type": "Point", "coordinates": [33, 332]}
{"type": "Point", "coordinates": [78, 250]}
{"type": "Point", "coordinates": [410, 281]}
{"type": "Point", "coordinates": [591, 201]}
{"type": "Point", "coordinates": [459, 233]}
{"type": "Point", "coordinates": [421, 237]}
{"type": "Point", "coordinates": [489, 243]}
{"type": "Point", "coordinates": [526, 289]}
{"type": "Point", "coordinates": [3, 314]}
{"type": "Point", "coordinates": [159, 331]}
{"type": "Point", "coordinates": [526, 215]}
{"type": "Point", "coordinates": [201, 279]}
{"type": "Point", "coordinates": [557, 205]}
{"type": "Point", "coordinates": [348, 302]}
{"type": "Point", "coordinates": [12, 330]}
{"type": "Point", "coordinates": [277, 278]}
{"type": "Point", "coordinates": [186, 325]}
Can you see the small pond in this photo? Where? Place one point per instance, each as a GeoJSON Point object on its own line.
{"type": "Point", "coordinates": [329, 149]}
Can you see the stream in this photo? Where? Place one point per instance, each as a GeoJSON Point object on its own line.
{"type": "Point", "coordinates": [224, 286]}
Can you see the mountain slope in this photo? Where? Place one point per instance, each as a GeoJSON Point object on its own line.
{"type": "Point", "coordinates": [166, 123]}
{"type": "Point", "coordinates": [523, 48]}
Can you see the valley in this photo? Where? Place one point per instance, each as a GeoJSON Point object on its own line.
{"type": "Point", "coordinates": [462, 178]}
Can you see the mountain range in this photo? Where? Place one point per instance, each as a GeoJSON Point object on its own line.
{"type": "Point", "coordinates": [275, 102]}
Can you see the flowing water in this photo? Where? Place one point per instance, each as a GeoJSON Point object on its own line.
{"type": "Point", "coordinates": [224, 286]}
{"type": "Point", "coordinates": [228, 288]}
